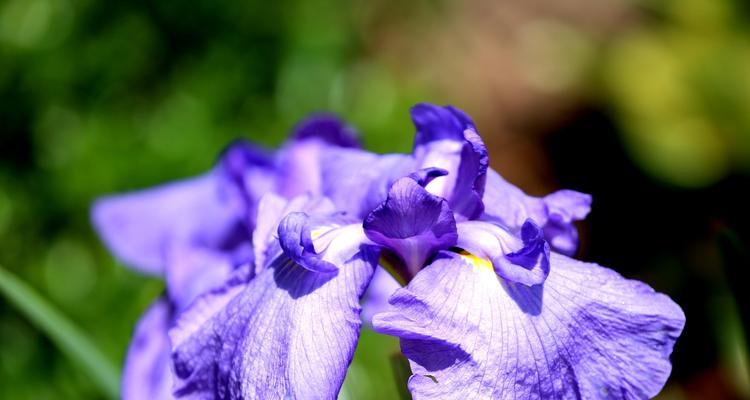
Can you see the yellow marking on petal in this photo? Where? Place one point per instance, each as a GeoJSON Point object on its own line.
{"type": "Point", "coordinates": [392, 270]}
{"type": "Point", "coordinates": [316, 233]}
{"type": "Point", "coordinates": [478, 262]}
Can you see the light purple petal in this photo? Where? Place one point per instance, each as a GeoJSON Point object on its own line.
{"type": "Point", "coordinates": [295, 237]}
{"type": "Point", "coordinates": [147, 373]}
{"type": "Point", "coordinates": [508, 205]}
{"type": "Point", "coordinates": [251, 171]}
{"type": "Point", "coordinates": [138, 226]}
{"type": "Point", "coordinates": [563, 208]}
{"type": "Point", "coordinates": [214, 210]}
{"type": "Point", "coordinates": [195, 270]}
{"type": "Point", "coordinates": [523, 260]}
{"type": "Point", "coordinates": [357, 181]}
{"type": "Point", "coordinates": [446, 138]}
{"type": "Point", "coordinates": [271, 210]}
{"type": "Point", "coordinates": [287, 333]}
{"type": "Point", "coordinates": [412, 223]}
{"type": "Point", "coordinates": [321, 243]}
{"type": "Point", "coordinates": [587, 333]}
{"type": "Point", "coordinates": [299, 161]}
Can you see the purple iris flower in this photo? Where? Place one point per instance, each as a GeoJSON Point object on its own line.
{"type": "Point", "coordinates": [492, 310]}
{"type": "Point", "coordinates": [267, 256]}
{"type": "Point", "coordinates": [492, 307]}
{"type": "Point", "coordinates": [197, 233]}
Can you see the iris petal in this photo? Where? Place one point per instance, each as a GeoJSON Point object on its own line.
{"type": "Point", "coordinates": [587, 333]}
{"type": "Point", "coordinates": [412, 223]}
{"type": "Point", "coordinates": [436, 123]}
{"type": "Point", "coordinates": [508, 205]}
{"type": "Point", "coordinates": [287, 333]}
{"type": "Point", "coordinates": [327, 128]}
{"type": "Point", "coordinates": [357, 181]}
{"type": "Point", "coordinates": [137, 227]}
{"type": "Point", "coordinates": [210, 210]}
{"type": "Point", "coordinates": [299, 161]}
{"type": "Point", "coordinates": [320, 244]}
{"type": "Point", "coordinates": [194, 270]}
{"type": "Point", "coordinates": [147, 374]}
{"type": "Point", "coordinates": [446, 138]}
{"type": "Point", "coordinates": [271, 211]}
{"type": "Point", "coordinates": [524, 260]}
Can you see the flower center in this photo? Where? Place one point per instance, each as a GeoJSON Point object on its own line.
{"type": "Point", "coordinates": [477, 262]}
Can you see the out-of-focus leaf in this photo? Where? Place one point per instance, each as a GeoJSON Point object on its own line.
{"type": "Point", "coordinates": [71, 341]}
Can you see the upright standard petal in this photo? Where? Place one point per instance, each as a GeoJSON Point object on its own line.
{"type": "Point", "coordinates": [555, 213]}
{"type": "Point", "coordinates": [412, 223]}
{"type": "Point", "coordinates": [147, 373]}
{"type": "Point", "coordinates": [251, 171]}
{"type": "Point", "coordinates": [289, 333]}
{"type": "Point", "coordinates": [587, 333]}
{"type": "Point", "coordinates": [435, 123]}
{"type": "Point", "coordinates": [357, 181]}
{"type": "Point", "coordinates": [299, 163]}
{"type": "Point", "coordinates": [446, 138]}
{"type": "Point", "coordinates": [326, 128]}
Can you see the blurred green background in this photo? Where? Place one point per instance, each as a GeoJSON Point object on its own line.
{"type": "Point", "coordinates": [644, 104]}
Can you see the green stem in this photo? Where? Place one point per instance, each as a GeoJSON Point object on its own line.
{"type": "Point", "coordinates": [68, 338]}
{"type": "Point", "coordinates": [402, 372]}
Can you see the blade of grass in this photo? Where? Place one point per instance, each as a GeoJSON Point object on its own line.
{"type": "Point", "coordinates": [66, 336]}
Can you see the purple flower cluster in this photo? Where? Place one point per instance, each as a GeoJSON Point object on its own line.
{"type": "Point", "coordinates": [267, 257]}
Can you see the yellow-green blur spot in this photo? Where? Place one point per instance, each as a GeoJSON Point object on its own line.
{"type": "Point", "coordinates": [316, 233]}
{"type": "Point", "coordinates": [477, 262]}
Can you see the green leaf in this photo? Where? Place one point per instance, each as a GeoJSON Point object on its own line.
{"type": "Point", "coordinates": [68, 338]}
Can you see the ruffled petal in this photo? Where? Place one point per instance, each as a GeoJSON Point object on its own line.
{"type": "Point", "coordinates": [147, 373]}
{"type": "Point", "coordinates": [295, 237]}
{"type": "Point", "coordinates": [287, 333]}
{"type": "Point", "coordinates": [565, 207]}
{"type": "Point", "coordinates": [523, 260]}
{"type": "Point", "coordinates": [446, 138]}
{"type": "Point", "coordinates": [508, 205]}
{"type": "Point", "coordinates": [271, 210]}
{"type": "Point", "coordinates": [466, 199]}
{"type": "Point", "coordinates": [435, 123]}
{"type": "Point", "coordinates": [587, 333]}
{"type": "Point", "coordinates": [412, 223]}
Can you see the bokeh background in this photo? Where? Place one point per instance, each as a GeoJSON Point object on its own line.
{"type": "Point", "coordinates": [644, 104]}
